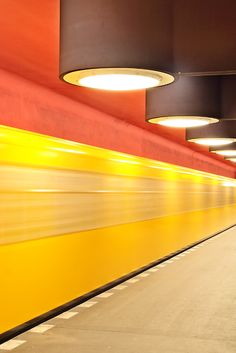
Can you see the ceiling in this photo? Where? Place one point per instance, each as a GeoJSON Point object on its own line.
{"type": "Point", "coordinates": [30, 48]}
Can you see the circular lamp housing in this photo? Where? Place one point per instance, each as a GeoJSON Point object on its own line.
{"type": "Point", "coordinates": [220, 134]}
{"type": "Point", "coordinates": [231, 159]}
{"type": "Point", "coordinates": [116, 45]}
{"type": "Point", "coordinates": [188, 102]}
{"type": "Point", "coordinates": [183, 121]}
{"type": "Point", "coordinates": [226, 151]}
{"type": "Point", "coordinates": [118, 79]}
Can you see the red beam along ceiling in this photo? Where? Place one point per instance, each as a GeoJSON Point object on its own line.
{"type": "Point", "coordinates": [40, 102]}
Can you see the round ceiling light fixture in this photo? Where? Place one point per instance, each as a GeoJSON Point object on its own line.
{"type": "Point", "coordinates": [188, 102]}
{"type": "Point", "coordinates": [118, 79]}
{"type": "Point", "coordinates": [104, 46]}
{"type": "Point", "coordinates": [183, 121]}
{"type": "Point", "coordinates": [220, 134]}
{"type": "Point", "coordinates": [231, 159]}
{"type": "Point", "coordinates": [212, 141]}
{"type": "Point", "coordinates": [226, 151]}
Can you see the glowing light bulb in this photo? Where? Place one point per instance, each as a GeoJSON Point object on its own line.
{"type": "Point", "coordinates": [118, 79]}
{"type": "Point", "coordinates": [212, 141]}
{"type": "Point", "coordinates": [231, 159]}
{"type": "Point", "coordinates": [183, 121]}
{"type": "Point", "coordinates": [229, 153]}
{"type": "Point", "coordinates": [117, 82]}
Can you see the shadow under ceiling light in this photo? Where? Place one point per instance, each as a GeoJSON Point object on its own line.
{"type": "Point", "coordinates": [105, 46]}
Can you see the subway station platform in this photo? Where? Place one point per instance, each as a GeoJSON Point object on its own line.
{"type": "Point", "coordinates": [184, 305]}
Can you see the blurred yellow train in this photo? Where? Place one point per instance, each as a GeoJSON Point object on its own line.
{"type": "Point", "coordinates": [75, 217]}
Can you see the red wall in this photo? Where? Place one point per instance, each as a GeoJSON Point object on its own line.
{"type": "Point", "coordinates": [29, 106]}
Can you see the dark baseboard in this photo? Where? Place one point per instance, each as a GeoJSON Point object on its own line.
{"type": "Point", "coordinates": [57, 311]}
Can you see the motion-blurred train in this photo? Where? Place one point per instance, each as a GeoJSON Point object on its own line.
{"type": "Point", "coordinates": [76, 217]}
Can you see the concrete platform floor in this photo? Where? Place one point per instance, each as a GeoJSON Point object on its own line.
{"type": "Point", "coordinates": [185, 305]}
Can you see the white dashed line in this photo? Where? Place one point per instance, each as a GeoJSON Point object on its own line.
{"type": "Point", "coordinates": [105, 295]}
{"type": "Point", "coordinates": [87, 304]}
{"type": "Point", "coordinates": [132, 280]}
{"type": "Point", "coordinates": [169, 262]}
{"type": "Point", "coordinates": [153, 269]}
{"type": "Point", "coordinates": [41, 328]}
{"type": "Point", "coordinates": [120, 287]}
{"type": "Point", "coordinates": [161, 265]}
{"type": "Point", "coordinates": [144, 275]}
{"type": "Point", "coordinates": [9, 345]}
{"type": "Point", "coordinates": [67, 315]}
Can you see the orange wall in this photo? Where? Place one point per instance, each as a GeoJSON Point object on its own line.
{"type": "Point", "coordinates": [32, 107]}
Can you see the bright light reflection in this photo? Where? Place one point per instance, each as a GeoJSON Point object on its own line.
{"type": "Point", "coordinates": [182, 122]}
{"type": "Point", "coordinates": [229, 153]}
{"type": "Point", "coordinates": [231, 159]}
{"type": "Point", "coordinates": [67, 150]}
{"type": "Point", "coordinates": [229, 183]}
{"type": "Point", "coordinates": [124, 161]}
{"type": "Point", "coordinates": [119, 82]}
{"type": "Point", "coordinates": [162, 168]}
{"type": "Point", "coordinates": [213, 141]}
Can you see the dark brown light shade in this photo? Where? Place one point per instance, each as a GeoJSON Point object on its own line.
{"type": "Point", "coordinates": [204, 36]}
{"type": "Point", "coordinates": [188, 99]}
{"type": "Point", "coordinates": [192, 101]}
{"type": "Point", "coordinates": [215, 134]}
{"type": "Point", "coordinates": [228, 97]}
{"type": "Point", "coordinates": [109, 37]}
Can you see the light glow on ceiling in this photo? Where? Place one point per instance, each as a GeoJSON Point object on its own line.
{"type": "Point", "coordinates": [212, 141]}
{"type": "Point", "coordinates": [117, 82]}
{"type": "Point", "coordinates": [226, 153]}
{"type": "Point", "coordinates": [231, 159]}
{"type": "Point", "coordinates": [183, 121]}
{"type": "Point", "coordinates": [118, 79]}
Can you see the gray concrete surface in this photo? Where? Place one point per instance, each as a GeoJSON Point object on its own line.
{"type": "Point", "coordinates": [187, 306]}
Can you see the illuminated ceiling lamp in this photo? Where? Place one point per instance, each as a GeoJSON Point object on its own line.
{"type": "Point", "coordinates": [116, 45]}
{"type": "Point", "coordinates": [220, 134]}
{"type": "Point", "coordinates": [224, 132]}
{"type": "Point", "coordinates": [188, 102]}
{"type": "Point", "coordinates": [226, 151]}
{"type": "Point", "coordinates": [231, 159]}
